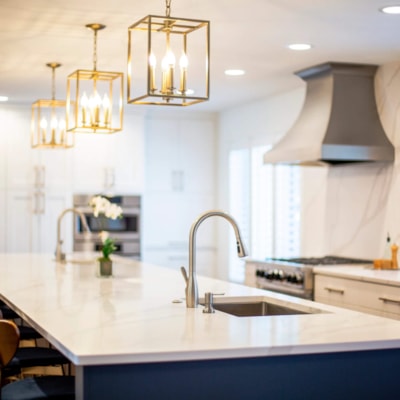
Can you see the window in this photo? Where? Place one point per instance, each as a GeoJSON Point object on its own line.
{"type": "Point", "coordinates": [265, 201]}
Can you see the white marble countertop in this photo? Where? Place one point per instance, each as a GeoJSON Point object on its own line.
{"type": "Point", "coordinates": [362, 273]}
{"type": "Point", "coordinates": [131, 318]}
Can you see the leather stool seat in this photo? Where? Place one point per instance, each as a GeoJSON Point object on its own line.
{"type": "Point", "coordinates": [27, 332]}
{"type": "Point", "coordinates": [37, 356]}
{"type": "Point", "coordinates": [7, 313]}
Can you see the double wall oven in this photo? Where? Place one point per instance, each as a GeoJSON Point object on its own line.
{"type": "Point", "coordinates": [293, 276]}
{"type": "Point", "coordinates": [125, 231]}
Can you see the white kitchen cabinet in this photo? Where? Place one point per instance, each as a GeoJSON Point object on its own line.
{"type": "Point", "coordinates": [168, 218]}
{"type": "Point", "coordinates": [180, 156]}
{"type": "Point", "coordinates": [110, 164]}
{"type": "Point", "coordinates": [179, 186]}
{"type": "Point", "coordinates": [3, 231]}
{"type": "Point", "coordinates": [31, 220]}
{"type": "Point", "coordinates": [36, 189]}
{"type": "Point", "coordinates": [3, 165]}
{"type": "Point", "coordinates": [17, 152]}
{"type": "Point", "coordinates": [92, 160]}
{"type": "Point", "coordinates": [37, 184]}
{"type": "Point", "coordinates": [370, 297]}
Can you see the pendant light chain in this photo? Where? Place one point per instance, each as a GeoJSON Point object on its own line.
{"type": "Point", "coordinates": [53, 66]}
{"type": "Point", "coordinates": [53, 82]}
{"type": "Point", "coordinates": [95, 50]}
{"type": "Point", "coordinates": [168, 8]}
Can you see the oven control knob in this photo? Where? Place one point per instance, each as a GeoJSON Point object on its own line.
{"type": "Point", "coordinates": [269, 275]}
{"type": "Point", "coordinates": [276, 275]}
{"type": "Point", "coordinates": [291, 278]}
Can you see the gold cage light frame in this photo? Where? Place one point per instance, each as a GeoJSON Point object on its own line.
{"type": "Point", "coordinates": [159, 33]}
{"type": "Point", "coordinates": [48, 121]}
{"type": "Point", "coordinates": [95, 98]}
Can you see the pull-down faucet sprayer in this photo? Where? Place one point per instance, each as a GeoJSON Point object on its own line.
{"type": "Point", "coordinates": [192, 295]}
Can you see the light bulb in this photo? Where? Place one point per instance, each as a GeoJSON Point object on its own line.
{"type": "Point", "coordinates": [152, 60]}
{"type": "Point", "coordinates": [169, 59]}
{"type": "Point", "coordinates": [84, 100]}
{"type": "Point", "coordinates": [43, 123]}
{"type": "Point", "coordinates": [183, 61]}
{"type": "Point", "coordinates": [106, 101]}
{"type": "Point", "coordinates": [53, 123]}
{"type": "Point", "coordinates": [97, 98]}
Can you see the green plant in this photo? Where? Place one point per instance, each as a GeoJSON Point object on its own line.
{"type": "Point", "coordinates": [108, 248]}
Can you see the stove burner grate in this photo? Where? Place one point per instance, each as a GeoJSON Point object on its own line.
{"type": "Point", "coordinates": [327, 260]}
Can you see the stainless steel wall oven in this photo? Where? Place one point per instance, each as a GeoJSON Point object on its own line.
{"type": "Point", "coordinates": [126, 231]}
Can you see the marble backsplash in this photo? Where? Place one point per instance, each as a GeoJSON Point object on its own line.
{"type": "Point", "coordinates": [362, 200]}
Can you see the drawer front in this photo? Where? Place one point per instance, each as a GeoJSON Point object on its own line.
{"type": "Point", "coordinates": [358, 295]}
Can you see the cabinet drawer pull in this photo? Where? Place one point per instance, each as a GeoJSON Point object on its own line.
{"type": "Point", "coordinates": [388, 300]}
{"type": "Point", "coordinates": [334, 290]}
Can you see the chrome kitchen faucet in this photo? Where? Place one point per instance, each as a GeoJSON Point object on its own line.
{"type": "Point", "coordinates": [192, 295]}
{"type": "Point", "coordinates": [60, 256]}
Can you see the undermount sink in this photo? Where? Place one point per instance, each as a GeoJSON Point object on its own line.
{"type": "Point", "coordinates": [257, 308]}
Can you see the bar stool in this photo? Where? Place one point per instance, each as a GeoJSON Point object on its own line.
{"type": "Point", "coordinates": [32, 359]}
{"type": "Point", "coordinates": [35, 388]}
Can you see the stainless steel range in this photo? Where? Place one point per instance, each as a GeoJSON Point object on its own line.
{"type": "Point", "coordinates": [293, 276]}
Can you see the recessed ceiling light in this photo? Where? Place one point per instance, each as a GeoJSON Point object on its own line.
{"type": "Point", "coordinates": [3, 98]}
{"type": "Point", "coordinates": [234, 72]}
{"type": "Point", "coordinates": [391, 9]}
{"type": "Point", "coordinates": [299, 46]}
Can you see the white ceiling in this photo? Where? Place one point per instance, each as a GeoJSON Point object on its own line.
{"type": "Point", "coordinates": [247, 34]}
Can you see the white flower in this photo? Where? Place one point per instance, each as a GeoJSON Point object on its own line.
{"type": "Point", "coordinates": [104, 235]}
{"type": "Point", "coordinates": [113, 211]}
{"type": "Point", "coordinates": [101, 205]}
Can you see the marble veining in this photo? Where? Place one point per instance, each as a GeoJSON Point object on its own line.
{"type": "Point", "coordinates": [131, 318]}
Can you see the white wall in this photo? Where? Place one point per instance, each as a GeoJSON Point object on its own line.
{"type": "Point", "coordinates": [259, 123]}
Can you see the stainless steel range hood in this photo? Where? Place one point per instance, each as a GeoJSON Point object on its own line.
{"type": "Point", "coordinates": [339, 122]}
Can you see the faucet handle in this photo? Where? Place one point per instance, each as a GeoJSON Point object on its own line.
{"type": "Point", "coordinates": [184, 274]}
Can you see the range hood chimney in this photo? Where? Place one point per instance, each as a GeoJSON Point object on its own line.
{"type": "Point", "coordinates": [339, 122]}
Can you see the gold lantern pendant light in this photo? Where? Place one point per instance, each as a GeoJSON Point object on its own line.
{"type": "Point", "coordinates": [156, 38]}
{"type": "Point", "coordinates": [48, 126]}
{"type": "Point", "coordinates": [94, 98]}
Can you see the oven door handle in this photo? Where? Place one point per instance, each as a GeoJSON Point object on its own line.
{"type": "Point", "coordinates": [334, 290]}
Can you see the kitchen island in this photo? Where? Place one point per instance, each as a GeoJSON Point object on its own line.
{"type": "Point", "coordinates": [132, 337]}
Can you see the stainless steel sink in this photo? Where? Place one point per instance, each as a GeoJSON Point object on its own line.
{"type": "Point", "coordinates": [255, 309]}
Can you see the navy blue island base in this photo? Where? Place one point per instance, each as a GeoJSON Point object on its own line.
{"type": "Point", "coordinates": [345, 375]}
